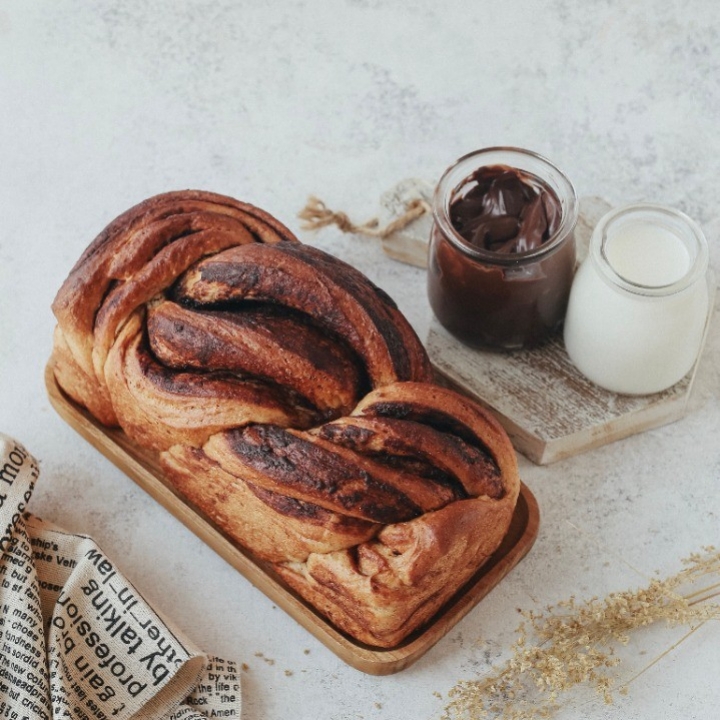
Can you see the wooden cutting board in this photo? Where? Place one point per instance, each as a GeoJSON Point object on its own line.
{"type": "Point", "coordinates": [143, 467]}
{"type": "Point", "coordinates": [549, 410]}
{"type": "Point", "coordinates": [546, 406]}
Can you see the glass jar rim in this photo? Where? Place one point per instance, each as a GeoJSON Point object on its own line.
{"type": "Point", "coordinates": [444, 192]}
{"type": "Point", "coordinates": [663, 216]}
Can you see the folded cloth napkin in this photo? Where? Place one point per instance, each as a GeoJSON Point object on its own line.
{"type": "Point", "coordinates": [77, 640]}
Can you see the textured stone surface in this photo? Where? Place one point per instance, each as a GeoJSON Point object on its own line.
{"type": "Point", "coordinates": [104, 103]}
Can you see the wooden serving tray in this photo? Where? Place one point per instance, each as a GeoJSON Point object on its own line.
{"type": "Point", "coordinates": [143, 467]}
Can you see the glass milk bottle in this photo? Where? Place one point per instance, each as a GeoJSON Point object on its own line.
{"type": "Point", "coordinates": [639, 302]}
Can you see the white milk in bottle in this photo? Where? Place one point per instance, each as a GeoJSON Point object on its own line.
{"type": "Point", "coordinates": [639, 302]}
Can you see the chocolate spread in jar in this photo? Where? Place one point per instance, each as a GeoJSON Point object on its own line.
{"type": "Point", "coordinates": [505, 210]}
{"type": "Point", "coordinates": [505, 281]}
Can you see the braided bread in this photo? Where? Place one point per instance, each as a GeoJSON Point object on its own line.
{"type": "Point", "coordinates": [292, 403]}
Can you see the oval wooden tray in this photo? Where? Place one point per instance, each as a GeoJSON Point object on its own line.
{"type": "Point", "coordinates": [142, 466]}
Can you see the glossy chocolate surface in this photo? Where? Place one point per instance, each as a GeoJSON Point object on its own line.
{"type": "Point", "coordinates": [505, 210]}
{"type": "Point", "coordinates": [514, 295]}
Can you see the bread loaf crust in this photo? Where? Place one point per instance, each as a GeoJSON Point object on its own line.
{"type": "Point", "coordinates": [291, 403]}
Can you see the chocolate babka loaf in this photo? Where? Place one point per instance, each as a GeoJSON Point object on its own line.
{"type": "Point", "coordinates": [292, 403]}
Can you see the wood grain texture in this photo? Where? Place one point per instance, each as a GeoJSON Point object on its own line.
{"type": "Point", "coordinates": [549, 410]}
{"type": "Point", "coordinates": [143, 467]}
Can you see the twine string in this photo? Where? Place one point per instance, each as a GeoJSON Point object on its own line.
{"type": "Point", "coordinates": [316, 214]}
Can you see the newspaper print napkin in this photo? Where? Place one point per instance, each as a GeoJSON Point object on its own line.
{"type": "Point", "coordinates": [77, 640]}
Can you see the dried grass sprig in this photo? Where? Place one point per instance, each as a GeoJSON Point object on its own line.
{"type": "Point", "coordinates": [573, 643]}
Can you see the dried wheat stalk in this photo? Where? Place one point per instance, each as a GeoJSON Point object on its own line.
{"type": "Point", "coordinates": [573, 644]}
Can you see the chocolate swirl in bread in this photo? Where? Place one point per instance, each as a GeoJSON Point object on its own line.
{"type": "Point", "coordinates": [291, 403]}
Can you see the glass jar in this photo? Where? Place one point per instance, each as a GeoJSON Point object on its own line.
{"type": "Point", "coordinates": [502, 299]}
{"type": "Point", "coordinates": [639, 303]}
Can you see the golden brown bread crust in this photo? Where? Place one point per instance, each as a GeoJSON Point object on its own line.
{"type": "Point", "coordinates": [305, 279]}
{"type": "Point", "coordinates": [145, 239]}
{"type": "Point", "coordinates": [395, 582]}
{"type": "Point", "coordinates": [274, 527]}
{"type": "Point", "coordinates": [241, 343]}
{"type": "Point", "coordinates": [291, 403]}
